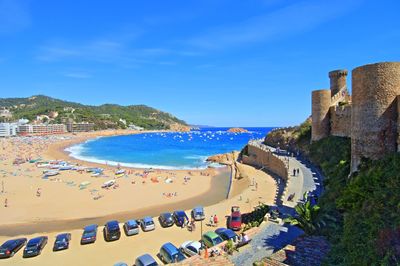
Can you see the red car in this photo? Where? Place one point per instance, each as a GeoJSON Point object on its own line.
{"type": "Point", "coordinates": [235, 220]}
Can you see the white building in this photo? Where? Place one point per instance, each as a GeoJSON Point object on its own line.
{"type": "Point", "coordinates": [8, 129]}
{"type": "Point", "coordinates": [134, 127]}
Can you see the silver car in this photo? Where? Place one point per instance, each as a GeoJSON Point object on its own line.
{"type": "Point", "coordinates": [147, 224]}
{"type": "Point", "coordinates": [131, 228]}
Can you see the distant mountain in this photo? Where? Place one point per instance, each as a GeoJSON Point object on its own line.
{"type": "Point", "coordinates": [103, 116]}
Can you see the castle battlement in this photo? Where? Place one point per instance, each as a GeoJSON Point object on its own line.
{"type": "Point", "coordinates": [370, 117]}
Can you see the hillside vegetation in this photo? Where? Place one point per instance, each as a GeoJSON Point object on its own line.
{"type": "Point", "coordinates": [365, 207]}
{"type": "Point", "coordinates": [103, 116]}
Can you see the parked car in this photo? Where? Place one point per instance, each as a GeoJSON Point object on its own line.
{"type": "Point", "coordinates": [235, 219]}
{"type": "Point", "coordinates": [147, 224]}
{"type": "Point", "coordinates": [180, 218]}
{"type": "Point", "coordinates": [227, 234]}
{"type": "Point", "coordinates": [131, 228]}
{"type": "Point", "coordinates": [166, 219]}
{"type": "Point", "coordinates": [171, 254]}
{"type": "Point", "coordinates": [35, 246]}
{"type": "Point", "coordinates": [62, 241]}
{"type": "Point", "coordinates": [111, 231]}
{"type": "Point", "coordinates": [89, 234]}
{"type": "Point", "coordinates": [145, 260]}
{"type": "Point", "coordinates": [191, 248]}
{"type": "Point", "coordinates": [198, 213]}
{"type": "Point", "coordinates": [12, 246]}
{"type": "Point", "coordinates": [211, 239]}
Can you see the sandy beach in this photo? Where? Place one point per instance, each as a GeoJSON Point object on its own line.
{"type": "Point", "coordinates": [64, 206]}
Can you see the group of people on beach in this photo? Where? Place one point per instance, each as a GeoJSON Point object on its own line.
{"type": "Point", "coordinates": [213, 220]}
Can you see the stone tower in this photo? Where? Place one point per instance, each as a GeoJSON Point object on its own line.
{"type": "Point", "coordinates": [337, 80]}
{"type": "Point", "coordinates": [321, 102]}
{"type": "Point", "coordinates": [374, 111]}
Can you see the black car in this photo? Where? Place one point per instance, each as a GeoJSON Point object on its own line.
{"type": "Point", "coordinates": [111, 231]}
{"type": "Point", "coordinates": [10, 247]}
{"type": "Point", "coordinates": [180, 218]}
{"type": "Point", "coordinates": [35, 246]}
{"type": "Point", "coordinates": [89, 234]}
{"type": "Point", "coordinates": [62, 241]}
{"type": "Point", "coordinates": [166, 219]}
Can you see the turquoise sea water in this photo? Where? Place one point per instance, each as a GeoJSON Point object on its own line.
{"type": "Point", "coordinates": [173, 150]}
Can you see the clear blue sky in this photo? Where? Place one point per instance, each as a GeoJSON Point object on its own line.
{"type": "Point", "coordinates": [210, 62]}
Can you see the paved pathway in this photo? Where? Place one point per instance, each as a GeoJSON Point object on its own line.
{"type": "Point", "coordinates": [270, 239]}
{"type": "Point", "coordinates": [273, 236]}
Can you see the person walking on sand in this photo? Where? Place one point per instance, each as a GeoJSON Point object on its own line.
{"type": "Point", "coordinates": [6, 203]}
{"type": "Point", "coordinates": [215, 220]}
{"type": "Point", "coordinates": [212, 220]}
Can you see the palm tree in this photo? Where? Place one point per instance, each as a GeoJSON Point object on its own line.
{"type": "Point", "coordinates": [308, 217]}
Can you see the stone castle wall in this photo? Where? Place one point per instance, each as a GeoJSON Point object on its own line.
{"type": "Point", "coordinates": [398, 123]}
{"type": "Point", "coordinates": [374, 127]}
{"type": "Point", "coordinates": [340, 120]}
{"type": "Point", "coordinates": [337, 80]}
{"type": "Point", "coordinates": [261, 156]}
{"type": "Point", "coordinates": [370, 117]}
{"type": "Point", "coordinates": [321, 102]}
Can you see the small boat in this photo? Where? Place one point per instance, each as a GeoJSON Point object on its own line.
{"type": "Point", "coordinates": [109, 183]}
{"type": "Point", "coordinates": [84, 184]}
{"type": "Point", "coordinates": [119, 175]}
{"type": "Point", "coordinates": [35, 160]}
{"type": "Point", "coordinates": [96, 174]}
{"type": "Point", "coordinates": [65, 167]}
{"type": "Point", "coordinates": [42, 165]}
{"type": "Point", "coordinates": [119, 172]}
{"type": "Point", "coordinates": [50, 173]}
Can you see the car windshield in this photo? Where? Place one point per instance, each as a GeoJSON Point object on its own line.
{"type": "Point", "coordinates": [177, 257]}
{"type": "Point", "coordinates": [31, 246]}
{"type": "Point", "coordinates": [61, 239]}
{"type": "Point", "coordinates": [89, 233]}
{"type": "Point", "coordinates": [217, 240]}
{"type": "Point", "coordinates": [236, 219]}
{"type": "Point", "coordinates": [149, 223]}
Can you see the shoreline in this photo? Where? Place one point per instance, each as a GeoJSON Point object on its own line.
{"type": "Point", "coordinates": [64, 208]}
{"type": "Point", "coordinates": [210, 197]}
{"type": "Point", "coordinates": [57, 151]}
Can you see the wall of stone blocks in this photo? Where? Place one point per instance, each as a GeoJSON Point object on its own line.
{"type": "Point", "coordinates": [340, 119]}
{"type": "Point", "coordinates": [264, 158]}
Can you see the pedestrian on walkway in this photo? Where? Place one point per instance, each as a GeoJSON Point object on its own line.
{"type": "Point", "coordinates": [294, 172]}
{"type": "Point", "coordinates": [298, 171]}
{"type": "Point", "coordinates": [215, 220]}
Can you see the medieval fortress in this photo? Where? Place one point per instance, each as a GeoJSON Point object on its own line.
{"type": "Point", "coordinates": [370, 116]}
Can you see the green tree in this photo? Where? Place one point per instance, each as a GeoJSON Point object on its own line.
{"type": "Point", "coordinates": [308, 217]}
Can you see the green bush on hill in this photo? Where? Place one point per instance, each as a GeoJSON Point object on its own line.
{"type": "Point", "coordinates": [366, 206]}
{"type": "Point", "coordinates": [103, 116]}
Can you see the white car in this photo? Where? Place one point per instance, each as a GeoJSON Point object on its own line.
{"type": "Point", "coordinates": [147, 224]}
{"type": "Point", "coordinates": [191, 248]}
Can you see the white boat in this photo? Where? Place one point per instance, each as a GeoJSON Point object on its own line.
{"type": "Point", "coordinates": [109, 183]}
{"type": "Point", "coordinates": [51, 173]}
{"type": "Point", "coordinates": [119, 172]}
{"type": "Point", "coordinates": [65, 167]}
{"type": "Point", "coordinates": [43, 165]}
